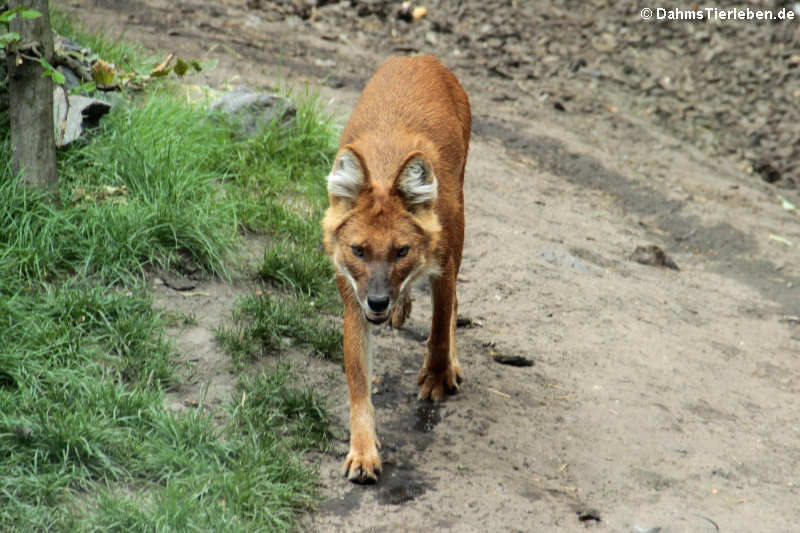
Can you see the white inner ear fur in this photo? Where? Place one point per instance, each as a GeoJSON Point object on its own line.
{"type": "Point", "coordinates": [346, 178]}
{"type": "Point", "coordinates": [417, 183]}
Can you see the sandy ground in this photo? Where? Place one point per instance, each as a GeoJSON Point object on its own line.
{"type": "Point", "coordinates": [659, 399]}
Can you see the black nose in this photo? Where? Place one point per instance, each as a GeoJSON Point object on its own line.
{"type": "Point", "coordinates": [378, 303]}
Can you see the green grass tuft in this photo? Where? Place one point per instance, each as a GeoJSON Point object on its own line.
{"type": "Point", "coordinates": [302, 269]}
{"type": "Point", "coordinates": [171, 160]}
{"type": "Point", "coordinates": [162, 162]}
{"type": "Point", "coordinates": [262, 322]}
{"type": "Point", "coordinates": [80, 366]}
{"type": "Point", "coordinates": [295, 413]}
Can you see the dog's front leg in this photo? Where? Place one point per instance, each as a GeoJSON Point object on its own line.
{"type": "Point", "coordinates": [441, 373]}
{"type": "Point", "coordinates": [363, 464]}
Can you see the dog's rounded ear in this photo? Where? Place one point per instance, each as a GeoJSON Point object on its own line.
{"type": "Point", "coordinates": [417, 183]}
{"type": "Point", "coordinates": [346, 179]}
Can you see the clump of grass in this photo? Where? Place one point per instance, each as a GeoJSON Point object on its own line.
{"type": "Point", "coordinates": [166, 160]}
{"type": "Point", "coordinates": [252, 481]}
{"type": "Point", "coordinates": [262, 322]}
{"type": "Point", "coordinates": [282, 172]}
{"type": "Point", "coordinates": [79, 367]}
{"type": "Point", "coordinates": [294, 412]}
{"type": "Point", "coordinates": [303, 270]}
{"type": "Point", "coordinates": [170, 159]}
{"type": "Point", "coordinates": [82, 419]}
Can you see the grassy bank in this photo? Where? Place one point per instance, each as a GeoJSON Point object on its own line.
{"type": "Point", "coordinates": [86, 443]}
{"type": "Point", "coordinates": [280, 180]}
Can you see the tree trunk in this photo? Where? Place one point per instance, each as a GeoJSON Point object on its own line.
{"type": "Point", "coordinates": [30, 98]}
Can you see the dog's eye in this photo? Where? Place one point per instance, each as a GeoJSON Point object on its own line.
{"type": "Point", "coordinates": [402, 252]}
{"type": "Point", "coordinates": [358, 251]}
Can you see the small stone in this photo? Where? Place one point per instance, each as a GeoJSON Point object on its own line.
{"type": "Point", "coordinates": [767, 171]}
{"type": "Point", "coordinates": [177, 282]}
{"type": "Point", "coordinates": [23, 432]}
{"type": "Point", "coordinates": [512, 360]}
{"type": "Point", "coordinates": [419, 12]}
{"type": "Point", "coordinates": [652, 255]}
{"type": "Point", "coordinates": [252, 111]}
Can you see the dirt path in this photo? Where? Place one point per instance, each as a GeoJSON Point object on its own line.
{"type": "Point", "coordinates": [657, 399]}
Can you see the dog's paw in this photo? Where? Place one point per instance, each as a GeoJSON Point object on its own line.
{"type": "Point", "coordinates": [434, 385]}
{"type": "Point", "coordinates": [363, 467]}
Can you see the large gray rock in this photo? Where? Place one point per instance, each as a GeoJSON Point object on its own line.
{"type": "Point", "coordinates": [81, 113]}
{"type": "Point", "coordinates": [251, 112]}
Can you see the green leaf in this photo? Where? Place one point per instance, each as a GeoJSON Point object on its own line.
{"type": "Point", "coordinates": [30, 14]}
{"type": "Point", "coordinates": [181, 67]}
{"type": "Point", "coordinates": [57, 77]}
{"type": "Point", "coordinates": [160, 73]}
{"type": "Point", "coordinates": [83, 88]}
{"type": "Point", "coordinates": [11, 14]}
{"type": "Point", "coordinates": [52, 73]}
{"type": "Point", "coordinates": [9, 37]}
{"type": "Point", "coordinates": [103, 73]}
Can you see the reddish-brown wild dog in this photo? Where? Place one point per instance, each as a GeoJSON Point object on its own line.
{"type": "Point", "coordinates": [397, 214]}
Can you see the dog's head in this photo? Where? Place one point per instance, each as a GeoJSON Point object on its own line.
{"type": "Point", "coordinates": [381, 233]}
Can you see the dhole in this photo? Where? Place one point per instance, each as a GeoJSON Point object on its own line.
{"type": "Point", "coordinates": [397, 214]}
